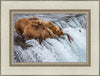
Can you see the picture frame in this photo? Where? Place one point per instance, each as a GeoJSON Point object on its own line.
{"type": "Point", "coordinates": [88, 68]}
{"type": "Point", "coordinates": [87, 12]}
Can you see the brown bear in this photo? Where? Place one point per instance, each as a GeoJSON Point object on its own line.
{"type": "Point", "coordinates": [20, 25]}
{"type": "Point", "coordinates": [37, 32]}
{"type": "Point", "coordinates": [56, 30]}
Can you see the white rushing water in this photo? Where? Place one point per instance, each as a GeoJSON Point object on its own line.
{"type": "Point", "coordinates": [56, 49]}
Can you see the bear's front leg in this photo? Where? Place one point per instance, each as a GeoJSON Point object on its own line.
{"type": "Point", "coordinates": [40, 40]}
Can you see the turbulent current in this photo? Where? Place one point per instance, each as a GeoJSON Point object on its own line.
{"type": "Point", "coordinates": [56, 49]}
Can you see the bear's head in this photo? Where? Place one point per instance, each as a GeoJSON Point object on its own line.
{"type": "Point", "coordinates": [56, 30]}
{"type": "Point", "coordinates": [59, 33]}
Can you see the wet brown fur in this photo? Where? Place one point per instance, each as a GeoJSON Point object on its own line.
{"type": "Point", "coordinates": [37, 32]}
{"type": "Point", "coordinates": [56, 30]}
{"type": "Point", "coordinates": [20, 25]}
{"type": "Point", "coordinates": [31, 30]}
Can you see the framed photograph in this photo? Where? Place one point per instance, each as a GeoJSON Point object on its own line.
{"type": "Point", "coordinates": [49, 38]}
{"type": "Point", "coordinates": [59, 47]}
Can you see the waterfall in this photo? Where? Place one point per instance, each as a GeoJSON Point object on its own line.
{"type": "Point", "coordinates": [56, 49]}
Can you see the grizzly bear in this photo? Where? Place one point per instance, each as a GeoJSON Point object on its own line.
{"type": "Point", "coordinates": [20, 25]}
{"type": "Point", "coordinates": [37, 32]}
{"type": "Point", "coordinates": [56, 30]}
